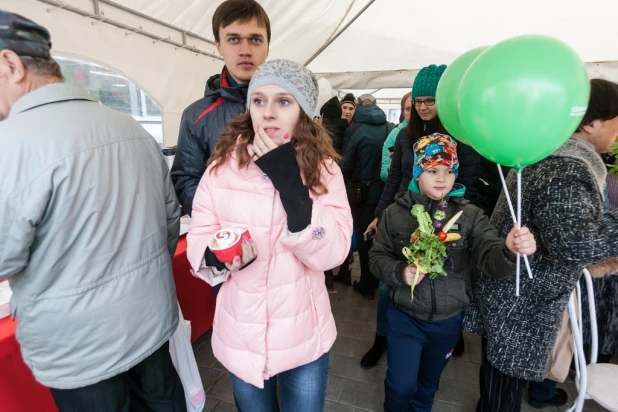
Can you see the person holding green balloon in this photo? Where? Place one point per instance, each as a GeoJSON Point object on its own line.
{"type": "Point", "coordinates": [540, 117]}
{"type": "Point", "coordinates": [423, 121]}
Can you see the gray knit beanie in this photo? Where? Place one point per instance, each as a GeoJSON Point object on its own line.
{"type": "Point", "coordinates": [293, 77]}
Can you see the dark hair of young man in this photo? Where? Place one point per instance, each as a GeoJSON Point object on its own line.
{"type": "Point", "coordinates": [242, 11]}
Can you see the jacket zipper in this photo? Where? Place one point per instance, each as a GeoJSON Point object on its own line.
{"type": "Point", "coordinates": [431, 281]}
{"type": "Point", "coordinates": [272, 214]}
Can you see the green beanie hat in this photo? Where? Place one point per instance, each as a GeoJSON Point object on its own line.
{"type": "Point", "coordinates": [426, 81]}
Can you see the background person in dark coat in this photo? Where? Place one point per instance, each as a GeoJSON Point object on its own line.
{"type": "Point", "coordinates": [225, 97]}
{"type": "Point", "coordinates": [348, 107]}
{"type": "Point", "coordinates": [336, 126]}
{"type": "Point", "coordinates": [361, 163]}
{"type": "Point", "coordinates": [562, 206]}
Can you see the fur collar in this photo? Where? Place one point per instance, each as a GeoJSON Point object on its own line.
{"type": "Point", "coordinates": [583, 151]}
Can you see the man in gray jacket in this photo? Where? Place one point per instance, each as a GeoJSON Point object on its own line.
{"type": "Point", "coordinates": [89, 222]}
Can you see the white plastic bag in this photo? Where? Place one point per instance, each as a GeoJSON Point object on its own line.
{"type": "Point", "coordinates": [5, 299]}
{"type": "Point", "coordinates": [183, 359]}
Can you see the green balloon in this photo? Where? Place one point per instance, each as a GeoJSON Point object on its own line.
{"type": "Point", "coordinates": [446, 94]}
{"type": "Point", "coordinates": [522, 99]}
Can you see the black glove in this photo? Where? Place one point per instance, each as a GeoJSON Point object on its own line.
{"type": "Point", "coordinates": [281, 167]}
{"type": "Point", "coordinates": [212, 261]}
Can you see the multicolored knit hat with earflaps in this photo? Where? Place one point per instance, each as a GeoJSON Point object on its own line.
{"type": "Point", "coordinates": [433, 150]}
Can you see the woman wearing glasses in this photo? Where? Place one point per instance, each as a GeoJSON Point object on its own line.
{"type": "Point", "coordinates": [423, 121]}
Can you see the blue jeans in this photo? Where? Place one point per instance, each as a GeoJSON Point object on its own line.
{"type": "Point", "coordinates": [300, 389]}
{"type": "Point", "coordinates": [418, 352]}
{"type": "Point", "coordinates": [542, 391]}
{"type": "Point", "coordinates": [384, 298]}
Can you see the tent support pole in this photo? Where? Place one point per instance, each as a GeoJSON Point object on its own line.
{"type": "Point", "coordinates": [99, 17]}
{"type": "Point", "coordinates": [152, 19]}
{"type": "Point", "coordinates": [332, 39]}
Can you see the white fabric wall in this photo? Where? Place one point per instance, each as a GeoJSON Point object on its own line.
{"type": "Point", "coordinates": [383, 49]}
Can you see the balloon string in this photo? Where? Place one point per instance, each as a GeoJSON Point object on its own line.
{"type": "Point", "coordinates": [515, 219]}
{"type": "Point", "coordinates": [519, 226]}
{"type": "Point", "coordinates": [519, 200]}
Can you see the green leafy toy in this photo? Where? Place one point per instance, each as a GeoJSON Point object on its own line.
{"type": "Point", "coordinates": [427, 248]}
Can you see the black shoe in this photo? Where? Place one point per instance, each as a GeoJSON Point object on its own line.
{"type": "Point", "coordinates": [369, 294]}
{"type": "Point", "coordinates": [344, 276]}
{"type": "Point", "coordinates": [460, 348]}
{"type": "Point", "coordinates": [372, 357]}
{"type": "Point", "coordinates": [559, 399]}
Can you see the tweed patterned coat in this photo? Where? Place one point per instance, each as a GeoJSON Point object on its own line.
{"type": "Point", "coordinates": [562, 206]}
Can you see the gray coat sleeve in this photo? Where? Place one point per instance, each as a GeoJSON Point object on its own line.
{"type": "Point", "coordinates": [383, 257]}
{"type": "Point", "coordinates": [172, 209]}
{"type": "Point", "coordinates": [19, 216]}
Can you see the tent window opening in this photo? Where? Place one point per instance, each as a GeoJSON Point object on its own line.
{"type": "Point", "coordinates": [115, 91]}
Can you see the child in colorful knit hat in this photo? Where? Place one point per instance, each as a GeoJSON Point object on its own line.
{"type": "Point", "coordinates": [425, 324]}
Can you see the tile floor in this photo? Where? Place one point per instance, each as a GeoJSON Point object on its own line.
{"type": "Point", "coordinates": [353, 389]}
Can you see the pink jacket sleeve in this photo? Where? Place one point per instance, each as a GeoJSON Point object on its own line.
{"type": "Point", "coordinates": [325, 243]}
{"type": "Point", "coordinates": [204, 224]}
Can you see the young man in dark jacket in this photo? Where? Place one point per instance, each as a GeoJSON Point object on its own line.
{"type": "Point", "coordinates": [361, 165]}
{"type": "Point", "coordinates": [242, 34]}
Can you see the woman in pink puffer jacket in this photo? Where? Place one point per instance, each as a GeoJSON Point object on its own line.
{"type": "Point", "coordinates": [275, 172]}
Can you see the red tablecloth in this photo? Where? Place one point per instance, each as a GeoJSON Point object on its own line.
{"type": "Point", "coordinates": [195, 296]}
{"type": "Point", "coordinates": [20, 392]}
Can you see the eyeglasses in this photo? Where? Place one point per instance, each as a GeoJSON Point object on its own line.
{"type": "Point", "coordinates": [428, 102]}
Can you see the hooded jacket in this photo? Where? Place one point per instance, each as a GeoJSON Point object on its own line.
{"type": "Point", "coordinates": [273, 315]}
{"type": "Point", "coordinates": [201, 126]}
{"type": "Point", "coordinates": [445, 296]}
{"type": "Point", "coordinates": [363, 153]}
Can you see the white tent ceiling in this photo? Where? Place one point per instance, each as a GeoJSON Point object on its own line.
{"type": "Point", "coordinates": [381, 50]}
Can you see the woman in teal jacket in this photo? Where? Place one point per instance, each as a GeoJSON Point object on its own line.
{"type": "Point", "coordinates": [406, 108]}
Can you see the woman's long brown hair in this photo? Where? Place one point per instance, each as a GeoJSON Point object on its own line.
{"type": "Point", "coordinates": [313, 148]}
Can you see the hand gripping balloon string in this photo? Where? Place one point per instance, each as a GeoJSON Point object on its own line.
{"type": "Point", "coordinates": [516, 218]}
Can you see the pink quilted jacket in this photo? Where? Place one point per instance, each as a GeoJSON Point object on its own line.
{"type": "Point", "coordinates": [275, 314]}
